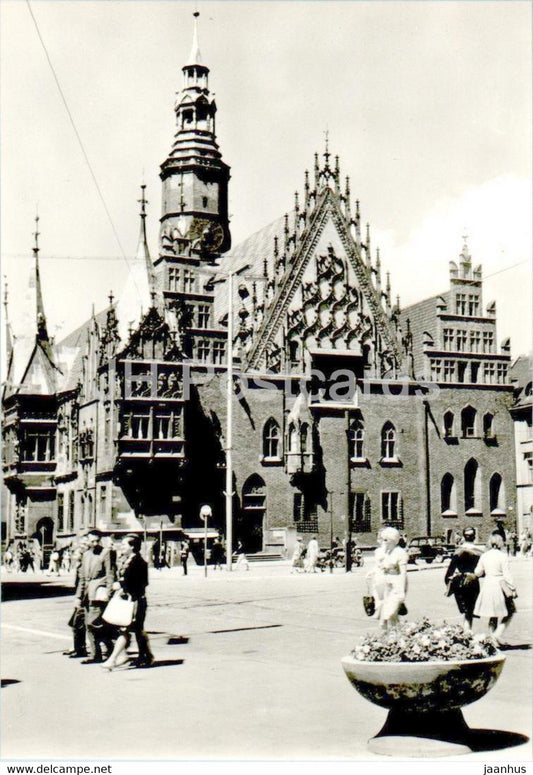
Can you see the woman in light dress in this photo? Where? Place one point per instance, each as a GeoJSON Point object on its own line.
{"type": "Point", "coordinates": [493, 569]}
{"type": "Point", "coordinates": [390, 577]}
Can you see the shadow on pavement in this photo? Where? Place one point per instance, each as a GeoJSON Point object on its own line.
{"type": "Point", "coordinates": [9, 681]}
{"type": "Point", "coordinates": [494, 739]}
{"type": "Point", "coordinates": [32, 590]}
{"type": "Point", "coordinates": [177, 640]}
{"type": "Point", "coordinates": [515, 647]}
{"type": "Point", "coordinates": [161, 663]}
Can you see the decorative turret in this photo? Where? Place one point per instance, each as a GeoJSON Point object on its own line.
{"type": "Point", "coordinates": [9, 338]}
{"type": "Point", "coordinates": [143, 252]}
{"type": "Point", "coordinates": [42, 331]}
{"type": "Point", "coordinates": [195, 179]}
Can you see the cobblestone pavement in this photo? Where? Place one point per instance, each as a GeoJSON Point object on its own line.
{"type": "Point", "coordinates": [248, 667]}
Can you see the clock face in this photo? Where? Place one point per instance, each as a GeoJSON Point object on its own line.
{"type": "Point", "coordinates": [215, 237]}
{"type": "Point", "coordinates": [210, 233]}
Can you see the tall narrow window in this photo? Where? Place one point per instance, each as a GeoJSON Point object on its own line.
{"type": "Point", "coordinates": [271, 440]}
{"type": "Point", "coordinates": [448, 425]}
{"type": "Point", "coordinates": [468, 422]}
{"type": "Point", "coordinates": [392, 509]}
{"type": "Point", "coordinates": [489, 373]}
{"type": "Point", "coordinates": [473, 305]}
{"type": "Point", "coordinates": [472, 486]}
{"type": "Point", "coordinates": [60, 513]}
{"type": "Point", "coordinates": [461, 341]}
{"type": "Point", "coordinates": [388, 441]}
{"type": "Point", "coordinates": [219, 352]}
{"type": "Point", "coordinates": [475, 338]}
{"type": "Point", "coordinates": [293, 439]}
{"type": "Point", "coordinates": [460, 304]}
{"type": "Point", "coordinates": [448, 503]}
{"type": "Point", "coordinates": [203, 316]}
{"type": "Point", "coordinates": [304, 437]}
{"type": "Point", "coordinates": [502, 373]}
{"type": "Point", "coordinates": [360, 512]}
{"type": "Point", "coordinates": [71, 503]}
{"type": "Point", "coordinates": [488, 341]}
{"type": "Point", "coordinates": [449, 371]}
{"type": "Point", "coordinates": [436, 369]}
{"type": "Point", "coordinates": [488, 425]}
{"type": "Point", "coordinates": [447, 338]}
{"type": "Point", "coordinates": [496, 493]}
{"type": "Point", "coordinates": [356, 436]}
{"type": "Point", "coordinates": [203, 350]}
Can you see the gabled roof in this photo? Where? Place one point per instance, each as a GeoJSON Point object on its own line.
{"type": "Point", "coordinates": [422, 318]}
{"type": "Point", "coordinates": [41, 375]}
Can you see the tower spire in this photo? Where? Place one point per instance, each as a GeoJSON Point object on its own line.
{"type": "Point", "coordinates": [195, 57]}
{"type": "Point", "coordinates": [143, 252]}
{"type": "Point", "coordinates": [195, 179]}
{"type": "Point", "coordinates": [9, 340]}
{"type": "Point", "coordinates": [42, 332]}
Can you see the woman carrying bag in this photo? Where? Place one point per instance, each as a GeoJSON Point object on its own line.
{"type": "Point", "coordinates": [131, 585]}
{"type": "Point", "coordinates": [496, 597]}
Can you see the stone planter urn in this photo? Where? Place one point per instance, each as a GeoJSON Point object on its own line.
{"type": "Point", "coordinates": [424, 701]}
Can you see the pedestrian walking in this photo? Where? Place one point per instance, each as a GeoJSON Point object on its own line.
{"type": "Point", "coordinates": [311, 555]}
{"type": "Point", "coordinates": [296, 560]}
{"type": "Point", "coordinates": [525, 543]}
{"type": "Point", "coordinates": [77, 619]}
{"type": "Point", "coordinates": [93, 591]}
{"type": "Point", "coordinates": [132, 582]}
{"type": "Point", "coordinates": [460, 576]}
{"type": "Point", "coordinates": [217, 553]}
{"type": "Point", "coordinates": [54, 562]}
{"type": "Point", "coordinates": [184, 555]}
{"type": "Point", "coordinates": [391, 566]}
{"type": "Point", "coordinates": [242, 559]}
{"type": "Point", "coordinates": [496, 597]}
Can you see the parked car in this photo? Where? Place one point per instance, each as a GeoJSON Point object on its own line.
{"type": "Point", "coordinates": [429, 548]}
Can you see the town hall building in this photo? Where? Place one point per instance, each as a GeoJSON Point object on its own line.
{"type": "Point", "coordinates": [348, 412]}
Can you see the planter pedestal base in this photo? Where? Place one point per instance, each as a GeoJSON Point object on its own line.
{"type": "Point", "coordinates": [428, 734]}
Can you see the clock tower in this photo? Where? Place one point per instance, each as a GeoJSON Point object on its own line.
{"type": "Point", "coordinates": [195, 179]}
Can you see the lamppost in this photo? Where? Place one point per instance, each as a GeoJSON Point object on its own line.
{"type": "Point", "coordinates": [205, 513]}
{"type": "Point", "coordinates": [229, 412]}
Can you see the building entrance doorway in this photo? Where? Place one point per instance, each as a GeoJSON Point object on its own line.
{"type": "Point", "coordinates": [253, 513]}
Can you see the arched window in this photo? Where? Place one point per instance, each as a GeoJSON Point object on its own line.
{"type": "Point", "coordinates": [488, 425]}
{"type": "Point", "coordinates": [388, 441]}
{"type": "Point", "coordinates": [271, 439]}
{"type": "Point", "coordinates": [448, 425]}
{"type": "Point", "coordinates": [472, 488]}
{"type": "Point", "coordinates": [356, 437]}
{"type": "Point", "coordinates": [293, 438]}
{"type": "Point", "coordinates": [468, 422]}
{"type": "Point", "coordinates": [304, 437]}
{"type": "Point", "coordinates": [496, 494]}
{"type": "Point", "coordinates": [448, 504]}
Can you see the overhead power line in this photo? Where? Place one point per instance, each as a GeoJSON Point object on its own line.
{"type": "Point", "coordinates": [80, 141]}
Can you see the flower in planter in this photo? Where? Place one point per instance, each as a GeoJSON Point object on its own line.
{"type": "Point", "coordinates": [423, 641]}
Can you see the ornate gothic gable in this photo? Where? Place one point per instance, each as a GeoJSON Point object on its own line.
{"type": "Point", "coordinates": [326, 299]}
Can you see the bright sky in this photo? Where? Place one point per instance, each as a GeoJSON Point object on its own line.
{"type": "Point", "coordinates": [427, 104]}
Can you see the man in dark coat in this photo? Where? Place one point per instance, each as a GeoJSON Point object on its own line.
{"type": "Point", "coordinates": [460, 577]}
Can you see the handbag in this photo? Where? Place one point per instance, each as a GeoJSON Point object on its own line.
{"type": "Point", "coordinates": [402, 610]}
{"type": "Point", "coordinates": [508, 590]}
{"type": "Point", "coordinates": [369, 604]}
{"type": "Point", "coordinates": [119, 611]}
{"type": "Point", "coordinates": [101, 595]}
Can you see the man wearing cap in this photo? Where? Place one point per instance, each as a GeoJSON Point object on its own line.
{"type": "Point", "coordinates": [461, 579]}
{"type": "Point", "coordinates": [94, 589]}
